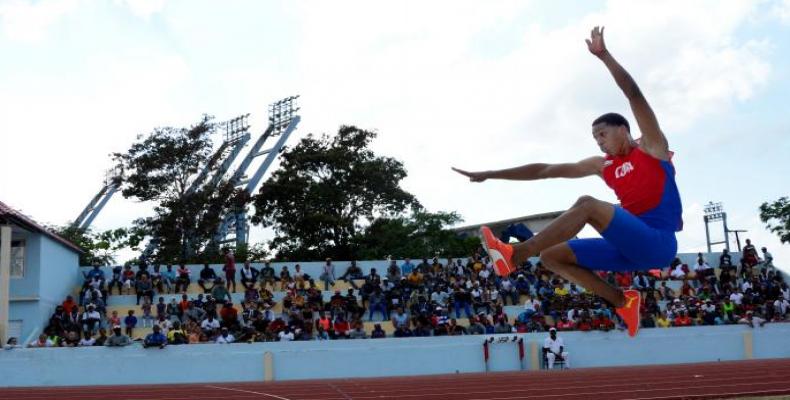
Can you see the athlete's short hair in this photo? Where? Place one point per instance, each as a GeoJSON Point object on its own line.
{"type": "Point", "coordinates": [613, 119]}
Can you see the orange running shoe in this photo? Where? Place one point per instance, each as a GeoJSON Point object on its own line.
{"type": "Point", "coordinates": [630, 311]}
{"type": "Point", "coordinates": [500, 253]}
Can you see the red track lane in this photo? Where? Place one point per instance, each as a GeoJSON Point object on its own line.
{"type": "Point", "coordinates": [684, 381]}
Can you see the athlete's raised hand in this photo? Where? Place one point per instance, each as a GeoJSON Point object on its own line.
{"type": "Point", "coordinates": [473, 176]}
{"type": "Point", "coordinates": [595, 43]}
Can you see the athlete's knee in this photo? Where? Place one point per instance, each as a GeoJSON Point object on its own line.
{"type": "Point", "coordinates": [586, 202]}
{"type": "Point", "coordinates": [557, 255]}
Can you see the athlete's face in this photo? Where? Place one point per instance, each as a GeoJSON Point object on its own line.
{"type": "Point", "coordinates": [610, 138]}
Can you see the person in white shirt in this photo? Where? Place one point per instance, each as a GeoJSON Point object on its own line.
{"type": "Point", "coordinates": [209, 326]}
{"type": "Point", "coordinates": [554, 349]}
{"type": "Point", "coordinates": [737, 298]}
{"type": "Point", "coordinates": [286, 335]}
{"type": "Point", "coordinates": [678, 272]}
{"type": "Point", "coordinates": [87, 341]}
{"type": "Point", "coordinates": [780, 307]}
{"type": "Point", "coordinates": [225, 337]}
{"type": "Point", "coordinates": [768, 259]}
{"type": "Point", "coordinates": [43, 341]}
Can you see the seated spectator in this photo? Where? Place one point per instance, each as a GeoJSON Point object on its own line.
{"type": "Point", "coordinates": [564, 324]}
{"type": "Point", "coordinates": [402, 332]}
{"type": "Point", "coordinates": [72, 339]}
{"type": "Point", "coordinates": [101, 340]}
{"type": "Point", "coordinates": [229, 317]}
{"type": "Point", "coordinates": [128, 278]}
{"type": "Point", "coordinates": [155, 339]}
{"type": "Point", "coordinates": [182, 279]}
{"type": "Point", "coordinates": [219, 292]}
{"type": "Point", "coordinates": [378, 332]}
{"type": "Point", "coordinates": [648, 321]}
{"type": "Point", "coordinates": [728, 310]}
{"type": "Point", "coordinates": [42, 341]}
{"type": "Point", "coordinates": [207, 276]}
{"type": "Point", "coordinates": [210, 326]}
{"type": "Point", "coordinates": [118, 339]}
{"type": "Point", "coordinates": [177, 335]}
{"type": "Point", "coordinates": [752, 320]}
{"type": "Point", "coordinates": [116, 281]}
{"type": "Point", "coordinates": [86, 340]}
{"type": "Point", "coordinates": [462, 299]}
{"type": "Point", "coordinates": [225, 337]}
{"type": "Point", "coordinates": [169, 278]}
{"type": "Point", "coordinates": [352, 273]}
{"type": "Point", "coordinates": [266, 276]}
{"type": "Point", "coordinates": [378, 302]}
{"type": "Point", "coordinates": [164, 324]}
{"type": "Point", "coordinates": [680, 271]}
{"type": "Point", "coordinates": [286, 335]}
{"type": "Point", "coordinates": [358, 332]}
{"type": "Point", "coordinates": [507, 290]}
{"type": "Point", "coordinates": [194, 314]}
{"type": "Point", "coordinates": [341, 327]}
{"type": "Point", "coordinates": [725, 261]}
{"type": "Point", "coordinates": [91, 319]}
{"type": "Point", "coordinates": [249, 276]}
{"type": "Point", "coordinates": [682, 320]}
{"type": "Point", "coordinates": [502, 326]}
{"type": "Point", "coordinates": [554, 349]}
{"type": "Point", "coordinates": [454, 329]}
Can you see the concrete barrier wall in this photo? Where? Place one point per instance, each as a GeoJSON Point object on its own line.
{"type": "Point", "coordinates": [377, 358]}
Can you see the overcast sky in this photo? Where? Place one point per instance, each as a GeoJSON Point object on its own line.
{"type": "Point", "coordinates": [477, 85]}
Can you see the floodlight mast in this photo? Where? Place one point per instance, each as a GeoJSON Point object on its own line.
{"type": "Point", "coordinates": [283, 119]}
{"type": "Point", "coordinates": [112, 183]}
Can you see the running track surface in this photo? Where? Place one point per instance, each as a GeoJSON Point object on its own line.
{"type": "Point", "coordinates": [680, 381]}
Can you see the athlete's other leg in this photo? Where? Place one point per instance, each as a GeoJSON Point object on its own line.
{"type": "Point", "coordinates": [586, 210]}
{"type": "Point", "coordinates": [561, 260]}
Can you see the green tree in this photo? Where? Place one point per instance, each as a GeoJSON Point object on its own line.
{"type": "Point", "coordinates": [99, 248]}
{"type": "Point", "coordinates": [161, 167]}
{"type": "Point", "coordinates": [326, 189]}
{"type": "Point", "coordinates": [420, 235]}
{"type": "Point", "coordinates": [776, 217]}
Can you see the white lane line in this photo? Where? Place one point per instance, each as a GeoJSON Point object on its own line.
{"type": "Point", "coordinates": [249, 391]}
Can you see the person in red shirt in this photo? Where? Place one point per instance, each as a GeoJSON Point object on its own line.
{"type": "Point", "coordinates": [584, 325]}
{"type": "Point", "coordinates": [70, 306]}
{"type": "Point", "coordinates": [341, 327]}
{"type": "Point", "coordinates": [229, 317]}
{"type": "Point", "coordinates": [230, 269]}
{"type": "Point", "coordinates": [682, 320]}
{"type": "Point", "coordinates": [564, 324]}
{"type": "Point", "coordinates": [636, 234]}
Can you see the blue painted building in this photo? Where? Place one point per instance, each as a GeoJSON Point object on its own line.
{"type": "Point", "coordinates": [37, 271]}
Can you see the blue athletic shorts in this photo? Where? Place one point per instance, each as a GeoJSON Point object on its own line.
{"type": "Point", "coordinates": [628, 244]}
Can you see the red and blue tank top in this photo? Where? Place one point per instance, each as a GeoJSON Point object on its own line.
{"type": "Point", "coordinates": [646, 188]}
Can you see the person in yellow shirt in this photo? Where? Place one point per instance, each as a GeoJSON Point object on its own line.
{"type": "Point", "coordinates": [415, 278]}
{"type": "Point", "coordinates": [560, 290]}
{"type": "Point", "coordinates": [662, 321]}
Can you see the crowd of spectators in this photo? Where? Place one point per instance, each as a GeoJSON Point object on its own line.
{"type": "Point", "coordinates": [425, 298]}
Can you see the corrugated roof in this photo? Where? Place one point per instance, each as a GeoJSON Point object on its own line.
{"type": "Point", "coordinates": [16, 217]}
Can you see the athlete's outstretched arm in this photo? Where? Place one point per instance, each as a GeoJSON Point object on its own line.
{"type": "Point", "coordinates": [529, 172]}
{"type": "Point", "coordinates": [653, 140]}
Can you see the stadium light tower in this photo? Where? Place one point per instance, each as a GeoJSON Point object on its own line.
{"type": "Point", "coordinates": [715, 212]}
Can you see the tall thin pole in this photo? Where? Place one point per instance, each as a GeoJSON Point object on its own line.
{"type": "Point", "coordinates": [707, 233]}
{"type": "Point", "coordinates": [5, 274]}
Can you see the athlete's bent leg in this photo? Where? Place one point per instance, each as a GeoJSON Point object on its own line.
{"type": "Point", "coordinates": [561, 260]}
{"type": "Point", "coordinates": [586, 210]}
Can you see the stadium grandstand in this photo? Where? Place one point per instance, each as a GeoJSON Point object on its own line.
{"type": "Point", "coordinates": [705, 306]}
